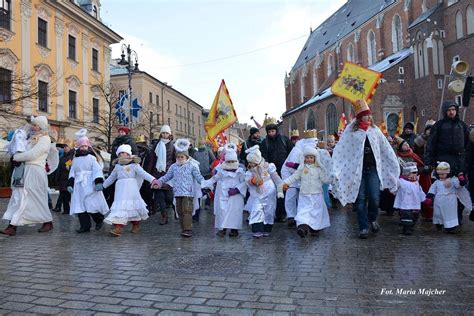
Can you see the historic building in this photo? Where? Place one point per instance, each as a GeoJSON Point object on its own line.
{"type": "Point", "coordinates": [412, 42]}
{"type": "Point", "coordinates": [54, 56]}
{"type": "Point", "coordinates": [161, 104]}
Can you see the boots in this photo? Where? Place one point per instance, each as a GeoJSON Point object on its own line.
{"type": "Point", "coordinates": [46, 227]}
{"type": "Point", "coordinates": [117, 231]}
{"type": "Point", "coordinates": [221, 233]}
{"type": "Point", "coordinates": [164, 218]}
{"type": "Point", "coordinates": [135, 227]}
{"type": "Point", "coordinates": [302, 230]}
{"type": "Point", "coordinates": [234, 233]}
{"type": "Point", "coordinates": [10, 230]}
{"type": "Point", "coordinates": [291, 222]}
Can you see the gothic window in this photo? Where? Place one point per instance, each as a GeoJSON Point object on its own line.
{"type": "Point", "coordinates": [397, 34]}
{"type": "Point", "coordinates": [310, 120]}
{"type": "Point", "coordinates": [470, 19]}
{"type": "Point", "coordinates": [315, 81]}
{"type": "Point", "coordinates": [392, 123]}
{"type": "Point", "coordinates": [330, 65]}
{"type": "Point", "coordinates": [331, 117]}
{"type": "Point", "coordinates": [350, 52]}
{"type": "Point", "coordinates": [459, 26]}
{"type": "Point", "coordinates": [371, 48]}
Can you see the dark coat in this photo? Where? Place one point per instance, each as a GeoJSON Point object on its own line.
{"type": "Point", "coordinates": [447, 142]}
{"type": "Point", "coordinates": [276, 149]}
{"type": "Point", "coordinates": [248, 144]}
{"type": "Point", "coordinates": [62, 174]}
{"type": "Point", "coordinates": [150, 161]}
{"type": "Point", "coordinates": [409, 138]}
{"type": "Point", "coordinates": [205, 157]}
{"type": "Point", "coordinates": [121, 140]}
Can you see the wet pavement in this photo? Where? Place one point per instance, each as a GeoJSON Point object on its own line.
{"type": "Point", "coordinates": [159, 272]}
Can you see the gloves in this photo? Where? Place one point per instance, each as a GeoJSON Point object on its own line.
{"type": "Point", "coordinates": [70, 190]}
{"type": "Point", "coordinates": [426, 169]}
{"type": "Point", "coordinates": [99, 187]}
{"type": "Point", "coordinates": [233, 191]}
{"type": "Point", "coordinates": [471, 216]}
{"type": "Point", "coordinates": [285, 186]}
{"type": "Point", "coordinates": [256, 181]}
{"type": "Point", "coordinates": [155, 184]}
{"type": "Point", "coordinates": [293, 165]}
{"type": "Point", "coordinates": [428, 202]}
{"type": "Point", "coordinates": [462, 179]}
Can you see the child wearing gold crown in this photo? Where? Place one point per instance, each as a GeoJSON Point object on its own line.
{"type": "Point", "coordinates": [445, 192]}
{"type": "Point", "coordinates": [312, 213]}
{"type": "Point", "coordinates": [262, 181]}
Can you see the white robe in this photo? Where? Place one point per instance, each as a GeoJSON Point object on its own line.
{"type": "Point", "coordinates": [409, 196]}
{"type": "Point", "coordinates": [84, 170]}
{"type": "Point", "coordinates": [228, 209]}
{"type": "Point", "coordinates": [29, 204]}
{"type": "Point", "coordinates": [445, 205]}
{"type": "Point", "coordinates": [128, 204]}
{"type": "Point", "coordinates": [348, 158]}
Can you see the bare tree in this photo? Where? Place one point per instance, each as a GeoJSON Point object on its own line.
{"type": "Point", "coordinates": [148, 122]}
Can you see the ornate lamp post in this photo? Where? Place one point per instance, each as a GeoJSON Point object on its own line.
{"type": "Point", "coordinates": [131, 68]}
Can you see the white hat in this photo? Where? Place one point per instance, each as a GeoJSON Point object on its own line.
{"type": "Point", "coordinates": [309, 150]}
{"type": "Point", "coordinates": [410, 167]}
{"type": "Point", "coordinates": [165, 129]}
{"type": "Point", "coordinates": [254, 155]}
{"type": "Point", "coordinates": [230, 146]}
{"type": "Point", "coordinates": [443, 167]}
{"type": "Point", "coordinates": [41, 121]}
{"type": "Point", "coordinates": [182, 146]}
{"type": "Point", "coordinates": [231, 155]}
{"type": "Point", "coordinates": [125, 148]}
{"type": "Point", "coordinates": [220, 150]}
{"type": "Point", "coordinates": [80, 133]}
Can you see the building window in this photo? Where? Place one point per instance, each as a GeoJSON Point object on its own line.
{"type": "Point", "coordinates": [176, 109]}
{"type": "Point", "coordinates": [397, 34]}
{"type": "Point", "coordinates": [331, 117]}
{"type": "Point", "coordinates": [157, 98]}
{"type": "Point", "coordinates": [180, 126]}
{"type": "Point", "coordinates": [186, 128]}
{"type": "Point", "coordinates": [470, 19]}
{"type": "Point", "coordinates": [42, 96]}
{"type": "Point", "coordinates": [95, 110]}
{"type": "Point", "coordinates": [350, 52]}
{"type": "Point", "coordinates": [169, 121]}
{"type": "Point", "coordinates": [371, 48]}
{"type": "Point", "coordinates": [330, 65]}
{"type": "Point", "coordinates": [95, 59]}
{"type": "Point", "coordinates": [71, 47]}
{"type": "Point", "coordinates": [72, 104]}
{"type": "Point", "coordinates": [310, 120]}
{"type": "Point", "coordinates": [315, 81]}
{"type": "Point", "coordinates": [42, 32]}
{"type": "Point", "coordinates": [392, 124]}
{"type": "Point", "coordinates": [192, 117]}
{"type": "Point", "coordinates": [5, 85]}
{"type": "Point", "coordinates": [177, 125]}
{"type": "Point", "coordinates": [303, 97]}
{"type": "Point", "coordinates": [193, 130]}
{"type": "Point", "coordinates": [293, 124]}
{"type": "Point", "coordinates": [5, 9]}
{"type": "Point", "coordinates": [459, 26]}
{"type": "Point", "coordinates": [150, 97]}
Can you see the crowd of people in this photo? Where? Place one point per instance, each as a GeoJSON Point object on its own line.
{"type": "Point", "coordinates": [273, 179]}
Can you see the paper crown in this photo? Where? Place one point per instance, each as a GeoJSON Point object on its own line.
{"type": "Point", "coordinates": [295, 133]}
{"type": "Point", "coordinates": [312, 133]}
{"type": "Point", "coordinates": [361, 108]}
{"type": "Point", "coordinates": [140, 139]}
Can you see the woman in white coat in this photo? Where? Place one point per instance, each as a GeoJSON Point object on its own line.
{"type": "Point", "coordinates": [29, 204]}
{"type": "Point", "coordinates": [312, 213]}
{"type": "Point", "coordinates": [229, 195]}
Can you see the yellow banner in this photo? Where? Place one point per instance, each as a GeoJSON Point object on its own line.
{"type": "Point", "coordinates": [222, 114]}
{"type": "Point", "coordinates": [356, 82]}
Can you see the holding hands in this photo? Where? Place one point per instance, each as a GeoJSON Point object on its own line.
{"type": "Point", "coordinates": [156, 184]}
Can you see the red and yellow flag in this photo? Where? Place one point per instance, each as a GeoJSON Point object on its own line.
{"type": "Point", "coordinates": [356, 82]}
{"type": "Point", "coordinates": [399, 124]}
{"type": "Point", "coordinates": [342, 124]}
{"type": "Point", "coordinates": [222, 114]}
{"type": "Point", "coordinates": [383, 128]}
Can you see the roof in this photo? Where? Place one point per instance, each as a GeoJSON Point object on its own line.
{"type": "Point", "coordinates": [425, 15]}
{"type": "Point", "coordinates": [349, 17]}
{"type": "Point", "coordinates": [380, 66]}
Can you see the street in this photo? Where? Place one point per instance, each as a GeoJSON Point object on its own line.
{"type": "Point", "coordinates": [159, 272]}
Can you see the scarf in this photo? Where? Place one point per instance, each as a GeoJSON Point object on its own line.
{"type": "Point", "coordinates": [160, 152]}
{"type": "Point", "coordinates": [128, 160]}
{"type": "Point", "coordinates": [229, 166]}
{"type": "Point", "coordinates": [412, 155]}
{"type": "Point", "coordinates": [365, 125]}
{"type": "Point", "coordinates": [408, 179]}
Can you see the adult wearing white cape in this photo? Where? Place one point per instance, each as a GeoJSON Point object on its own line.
{"type": "Point", "coordinates": [363, 164]}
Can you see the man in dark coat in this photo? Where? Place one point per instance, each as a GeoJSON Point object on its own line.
{"type": "Point", "coordinates": [275, 148]}
{"type": "Point", "coordinates": [408, 135]}
{"type": "Point", "coordinates": [447, 142]}
{"type": "Point", "coordinates": [254, 139]}
{"type": "Point", "coordinates": [62, 176]}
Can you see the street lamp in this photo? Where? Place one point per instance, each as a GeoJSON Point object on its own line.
{"type": "Point", "coordinates": [131, 68]}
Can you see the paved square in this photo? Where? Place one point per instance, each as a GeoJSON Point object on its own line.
{"type": "Point", "coordinates": [159, 272]}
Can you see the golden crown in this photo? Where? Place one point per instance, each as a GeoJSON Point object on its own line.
{"type": "Point", "coordinates": [312, 133]}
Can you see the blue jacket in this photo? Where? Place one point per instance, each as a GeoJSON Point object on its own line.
{"type": "Point", "coordinates": [183, 176]}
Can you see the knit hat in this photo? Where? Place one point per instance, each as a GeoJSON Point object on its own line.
{"type": "Point", "coordinates": [125, 148]}
{"type": "Point", "coordinates": [361, 108]}
{"type": "Point", "coordinates": [253, 130]}
{"type": "Point", "coordinates": [124, 128]}
{"type": "Point", "coordinates": [254, 155]}
{"type": "Point", "coordinates": [41, 121]}
{"type": "Point", "coordinates": [182, 146]}
{"type": "Point", "coordinates": [165, 129]}
{"type": "Point", "coordinates": [231, 155]}
{"type": "Point", "coordinates": [410, 167]}
{"type": "Point", "coordinates": [443, 168]}
{"type": "Point", "coordinates": [409, 125]}
{"type": "Point", "coordinates": [81, 132]}
{"type": "Point", "coordinates": [83, 141]}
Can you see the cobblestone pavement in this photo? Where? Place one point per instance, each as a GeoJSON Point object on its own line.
{"type": "Point", "coordinates": [158, 272]}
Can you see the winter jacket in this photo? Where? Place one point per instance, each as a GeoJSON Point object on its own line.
{"type": "Point", "coordinates": [409, 138]}
{"type": "Point", "coordinates": [248, 144]}
{"type": "Point", "coordinates": [447, 142]}
{"type": "Point", "coordinates": [205, 158]}
{"type": "Point", "coordinates": [150, 160]}
{"type": "Point", "coordinates": [120, 140]}
{"type": "Point", "coordinates": [182, 177]}
{"type": "Point", "coordinates": [312, 179]}
{"type": "Point", "coordinates": [62, 174]}
{"type": "Point", "coordinates": [276, 149]}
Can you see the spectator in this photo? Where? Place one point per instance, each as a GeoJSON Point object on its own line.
{"type": "Point", "coordinates": [254, 139]}
{"type": "Point", "coordinates": [62, 175]}
{"type": "Point", "coordinates": [408, 133]}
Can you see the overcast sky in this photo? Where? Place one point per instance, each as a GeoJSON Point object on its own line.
{"type": "Point", "coordinates": [192, 45]}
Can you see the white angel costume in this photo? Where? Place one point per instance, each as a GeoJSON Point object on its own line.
{"type": "Point", "coordinates": [409, 196]}
{"type": "Point", "coordinates": [347, 162]}
{"type": "Point", "coordinates": [85, 198]}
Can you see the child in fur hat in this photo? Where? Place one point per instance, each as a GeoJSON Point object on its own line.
{"type": "Point", "coordinates": [445, 192]}
{"type": "Point", "coordinates": [229, 194]}
{"type": "Point", "coordinates": [183, 173]}
{"type": "Point", "coordinates": [128, 205]}
{"type": "Point", "coordinates": [85, 183]}
{"type": "Point", "coordinates": [409, 196]}
{"type": "Point", "coordinates": [262, 180]}
{"type": "Point", "coordinates": [312, 213]}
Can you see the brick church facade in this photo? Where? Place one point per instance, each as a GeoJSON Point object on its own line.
{"type": "Point", "coordinates": [412, 42]}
